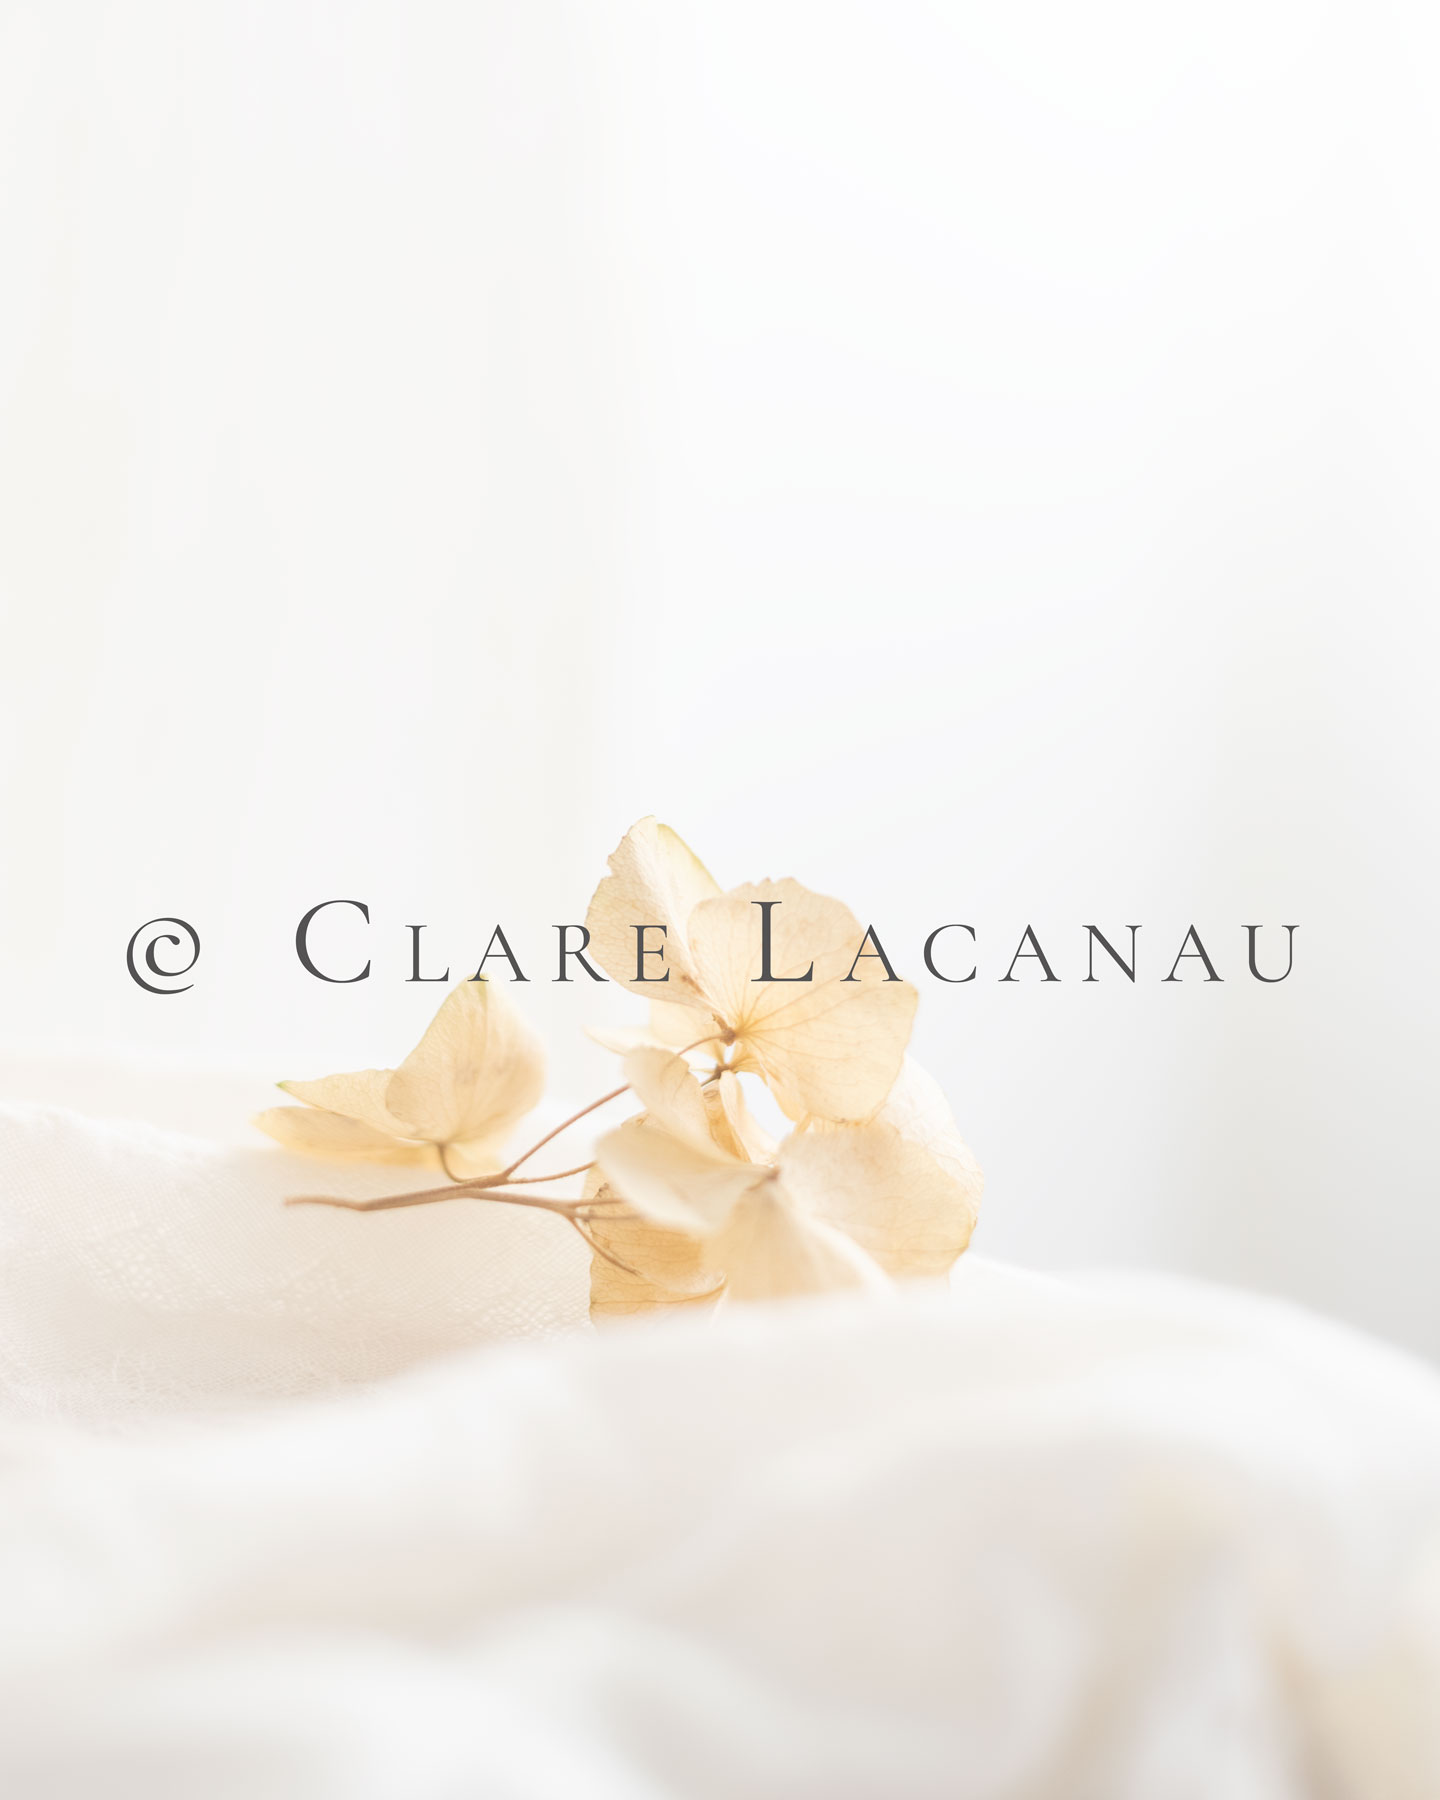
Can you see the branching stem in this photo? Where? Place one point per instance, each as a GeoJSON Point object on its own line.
{"type": "Point", "coordinates": [559, 1175]}
{"type": "Point", "coordinates": [578, 1213]}
{"type": "Point", "coordinates": [564, 1125]}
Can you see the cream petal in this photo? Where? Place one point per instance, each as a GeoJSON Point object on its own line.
{"type": "Point", "coordinates": [673, 1181]}
{"type": "Point", "coordinates": [655, 879]}
{"type": "Point", "coordinates": [665, 1270]}
{"type": "Point", "coordinates": [666, 1087]}
{"type": "Point", "coordinates": [904, 1185]}
{"type": "Point", "coordinates": [359, 1095]}
{"type": "Point", "coordinates": [769, 1249]}
{"type": "Point", "coordinates": [680, 1027]}
{"type": "Point", "coordinates": [916, 1106]}
{"type": "Point", "coordinates": [742, 1132]}
{"type": "Point", "coordinates": [314, 1132]}
{"type": "Point", "coordinates": [828, 1046]}
{"type": "Point", "coordinates": [477, 1070]}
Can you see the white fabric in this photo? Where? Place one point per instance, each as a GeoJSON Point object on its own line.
{"type": "Point", "coordinates": [144, 1272]}
{"type": "Point", "coordinates": [1111, 1539]}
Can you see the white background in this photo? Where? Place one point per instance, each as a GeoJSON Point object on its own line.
{"type": "Point", "coordinates": [979, 460]}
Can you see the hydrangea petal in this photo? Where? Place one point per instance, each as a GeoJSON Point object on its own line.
{"type": "Point", "coordinates": [770, 1249]}
{"type": "Point", "coordinates": [829, 1046]}
{"type": "Point", "coordinates": [478, 1069]}
{"type": "Point", "coordinates": [671, 1180]}
{"type": "Point", "coordinates": [655, 879]}
{"type": "Point", "coordinates": [314, 1132]}
{"type": "Point", "coordinates": [904, 1185]}
{"type": "Point", "coordinates": [359, 1095]}
{"type": "Point", "coordinates": [666, 1270]}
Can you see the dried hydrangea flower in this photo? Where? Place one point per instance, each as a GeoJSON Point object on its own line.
{"type": "Point", "coordinates": [450, 1105]}
{"type": "Point", "coordinates": [712, 1203]}
{"type": "Point", "coordinates": [829, 1047]}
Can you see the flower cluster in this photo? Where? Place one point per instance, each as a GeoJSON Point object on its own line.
{"type": "Point", "coordinates": [692, 1200]}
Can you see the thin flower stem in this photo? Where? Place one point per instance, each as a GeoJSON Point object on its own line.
{"type": "Point", "coordinates": [574, 1212]}
{"type": "Point", "coordinates": [578, 1213]}
{"type": "Point", "coordinates": [600, 1249]}
{"type": "Point", "coordinates": [559, 1175]}
{"type": "Point", "coordinates": [430, 1196]}
{"type": "Point", "coordinates": [564, 1125]}
{"type": "Point", "coordinates": [460, 1190]}
{"type": "Point", "coordinates": [508, 1173]}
